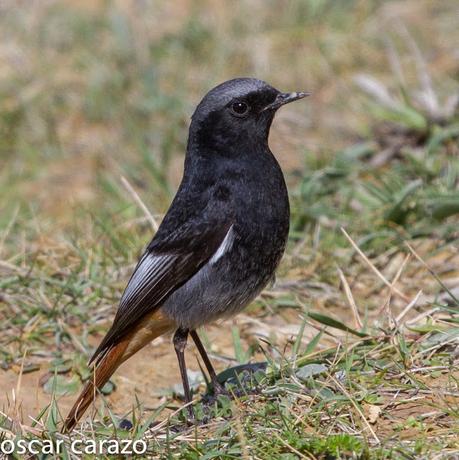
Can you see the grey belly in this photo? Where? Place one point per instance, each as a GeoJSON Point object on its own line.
{"type": "Point", "coordinates": [214, 293]}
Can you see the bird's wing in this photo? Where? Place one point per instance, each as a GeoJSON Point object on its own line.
{"type": "Point", "coordinates": [167, 264]}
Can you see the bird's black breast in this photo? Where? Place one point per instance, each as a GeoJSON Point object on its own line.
{"type": "Point", "coordinates": [255, 199]}
{"type": "Point", "coordinates": [259, 200]}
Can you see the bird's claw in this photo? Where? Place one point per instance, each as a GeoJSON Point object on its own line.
{"type": "Point", "coordinates": [219, 389]}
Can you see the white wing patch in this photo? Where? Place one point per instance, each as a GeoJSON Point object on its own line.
{"type": "Point", "coordinates": [152, 268]}
{"type": "Point", "coordinates": [225, 246]}
{"type": "Point", "coordinates": [147, 269]}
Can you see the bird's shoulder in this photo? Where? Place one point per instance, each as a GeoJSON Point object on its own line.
{"type": "Point", "coordinates": [195, 218]}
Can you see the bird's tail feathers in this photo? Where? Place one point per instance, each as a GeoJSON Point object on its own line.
{"type": "Point", "coordinates": [153, 325]}
{"type": "Point", "coordinates": [102, 371]}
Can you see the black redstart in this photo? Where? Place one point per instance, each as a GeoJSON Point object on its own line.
{"type": "Point", "coordinates": [220, 241]}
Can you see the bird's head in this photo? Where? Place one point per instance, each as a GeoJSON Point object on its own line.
{"type": "Point", "coordinates": [237, 114]}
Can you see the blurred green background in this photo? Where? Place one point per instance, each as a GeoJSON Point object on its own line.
{"type": "Point", "coordinates": [93, 90]}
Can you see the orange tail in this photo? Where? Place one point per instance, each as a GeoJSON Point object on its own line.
{"type": "Point", "coordinates": [151, 327]}
{"type": "Point", "coordinates": [102, 372]}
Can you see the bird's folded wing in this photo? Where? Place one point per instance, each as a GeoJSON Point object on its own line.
{"type": "Point", "coordinates": [167, 264]}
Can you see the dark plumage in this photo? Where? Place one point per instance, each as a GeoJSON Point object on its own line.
{"type": "Point", "coordinates": [223, 236]}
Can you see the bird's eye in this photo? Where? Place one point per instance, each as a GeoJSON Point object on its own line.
{"type": "Point", "coordinates": [239, 108]}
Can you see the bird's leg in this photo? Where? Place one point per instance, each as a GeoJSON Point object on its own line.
{"type": "Point", "coordinates": [180, 339]}
{"type": "Point", "coordinates": [218, 387]}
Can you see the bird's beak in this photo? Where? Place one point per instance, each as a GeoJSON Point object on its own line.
{"type": "Point", "coordinates": [285, 98]}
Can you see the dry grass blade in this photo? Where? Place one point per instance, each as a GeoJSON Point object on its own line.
{"type": "Point", "coordinates": [350, 298]}
{"type": "Point", "coordinates": [394, 60]}
{"type": "Point", "coordinates": [405, 311]}
{"type": "Point", "coordinates": [8, 228]}
{"type": "Point", "coordinates": [428, 94]}
{"type": "Point", "coordinates": [432, 272]}
{"type": "Point", "coordinates": [357, 408]}
{"type": "Point", "coordinates": [375, 270]}
{"type": "Point", "coordinates": [140, 203]}
{"type": "Point", "coordinates": [291, 448]}
{"type": "Point", "coordinates": [386, 305]}
{"type": "Point", "coordinates": [11, 267]}
{"type": "Point", "coordinates": [376, 89]}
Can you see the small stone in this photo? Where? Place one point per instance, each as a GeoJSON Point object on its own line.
{"type": "Point", "coordinates": [125, 424]}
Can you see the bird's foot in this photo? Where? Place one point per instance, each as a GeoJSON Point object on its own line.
{"type": "Point", "coordinates": [189, 415]}
{"type": "Point", "coordinates": [219, 389]}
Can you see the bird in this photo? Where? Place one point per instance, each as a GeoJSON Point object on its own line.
{"type": "Point", "coordinates": [219, 243]}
